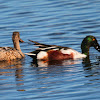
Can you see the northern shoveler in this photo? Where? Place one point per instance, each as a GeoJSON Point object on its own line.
{"type": "Point", "coordinates": [54, 52]}
{"type": "Point", "coordinates": [9, 53]}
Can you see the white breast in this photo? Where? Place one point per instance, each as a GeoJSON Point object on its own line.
{"type": "Point", "coordinates": [76, 54]}
{"type": "Point", "coordinates": [42, 54]}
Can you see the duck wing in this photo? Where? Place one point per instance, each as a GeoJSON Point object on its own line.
{"type": "Point", "coordinates": [47, 47]}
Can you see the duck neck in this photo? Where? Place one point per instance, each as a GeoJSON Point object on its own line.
{"type": "Point", "coordinates": [85, 48]}
{"type": "Point", "coordinates": [16, 44]}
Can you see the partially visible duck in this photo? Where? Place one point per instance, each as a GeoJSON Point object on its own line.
{"type": "Point", "coordinates": [9, 53]}
{"type": "Point", "coordinates": [54, 52]}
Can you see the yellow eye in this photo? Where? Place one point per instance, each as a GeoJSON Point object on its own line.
{"type": "Point", "coordinates": [93, 39]}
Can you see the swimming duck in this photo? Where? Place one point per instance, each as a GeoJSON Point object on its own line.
{"type": "Point", "coordinates": [9, 53]}
{"type": "Point", "coordinates": [54, 52]}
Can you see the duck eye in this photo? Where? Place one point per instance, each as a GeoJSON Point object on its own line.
{"type": "Point", "coordinates": [93, 39]}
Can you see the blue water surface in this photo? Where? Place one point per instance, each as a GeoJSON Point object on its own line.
{"type": "Point", "coordinates": [57, 22]}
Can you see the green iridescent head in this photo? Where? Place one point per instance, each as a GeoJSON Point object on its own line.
{"type": "Point", "coordinates": [89, 41]}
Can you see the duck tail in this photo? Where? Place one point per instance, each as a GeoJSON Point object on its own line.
{"type": "Point", "coordinates": [30, 54]}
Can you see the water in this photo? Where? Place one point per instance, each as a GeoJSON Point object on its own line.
{"type": "Point", "coordinates": [58, 22]}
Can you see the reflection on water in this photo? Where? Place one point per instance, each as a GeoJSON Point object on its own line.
{"type": "Point", "coordinates": [40, 63]}
{"type": "Point", "coordinates": [92, 74]}
{"type": "Point", "coordinates": [87, 63]}
{"type": "Point", "coordinates": [13, 68]}
{"type": "Point", "coordinates": [42, 79]}
{"type": "Point", "coordinates": [11, 64]}
{"type": "Point", "coordinates": [91, 69]}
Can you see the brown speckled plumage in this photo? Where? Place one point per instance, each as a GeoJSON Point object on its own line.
{"type": "Point", "coordinates": [9, 53]}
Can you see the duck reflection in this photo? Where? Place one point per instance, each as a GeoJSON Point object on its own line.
{"type": "Point", "coordinates": [41, 63]}
{"type": "Point", "coordinates": [91, 68]}
{"type": "Point", "coordinates": [92, 71]}
{"type": "Point", "coordinates": [87, 63]}
{"type": "Point", "coordinates": [11, 64]}
{"type": "Point", "coordinates": [18, 71]}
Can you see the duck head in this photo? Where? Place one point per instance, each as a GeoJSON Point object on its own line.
{"type": "Point", "coordinates": [89, 41]}
{"type": "Point", "coordinates": [16, 36]}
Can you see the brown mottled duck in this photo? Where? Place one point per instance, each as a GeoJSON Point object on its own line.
{"type": "Point", "coordinates": [9, 53]}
